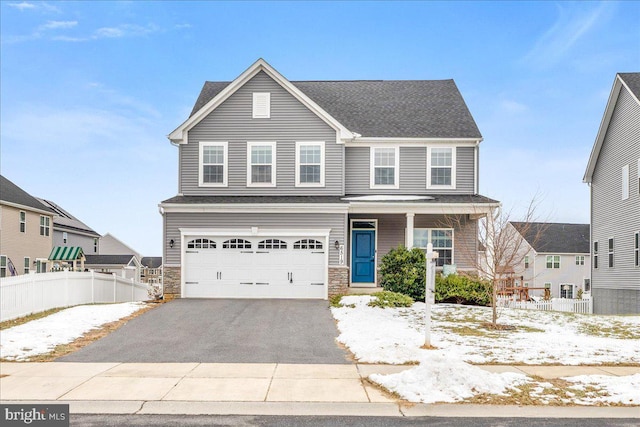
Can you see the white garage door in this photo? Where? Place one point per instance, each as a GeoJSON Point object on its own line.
{"type": "Point", "coordinates": [254, 267]}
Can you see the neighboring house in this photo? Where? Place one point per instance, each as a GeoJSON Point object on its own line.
{"type": "Point", "coordinates": [297, 189]}
{"type": "Point", "coordinates": [69, 231]}
{"type": "Point", "coordinates": [127, 266]}
{"type": "Point", "coordinates": [110, 245]}
{"type": "Point", "coordinates": [151, 269]}
{"type": "Point", "coordinates": [26, 235]}
{"type": "Point", "coordinates": [557, 258]}
{"type": "Point", "coordinates": [613, 175]}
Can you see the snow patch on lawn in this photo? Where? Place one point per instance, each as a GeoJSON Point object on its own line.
{"type": "Point", "coordinates": [41, 336]}
{"type": "Point", "coordinates": [439, 378]}
{"type": "Point", "coordinates": [609, 389]}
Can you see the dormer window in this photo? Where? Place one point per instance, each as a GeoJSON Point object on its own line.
{"type": "Point", "coordinates": [261, 105]}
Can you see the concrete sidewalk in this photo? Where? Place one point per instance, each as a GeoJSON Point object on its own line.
{"type": "Point", "coordinates": [256, 389]}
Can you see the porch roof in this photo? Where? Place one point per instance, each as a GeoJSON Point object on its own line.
{"type": "Point", "coordinates": [66, 253]}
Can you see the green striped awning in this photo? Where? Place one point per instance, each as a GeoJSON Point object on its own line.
{"type": "Point", "coordinates": [66, 253]}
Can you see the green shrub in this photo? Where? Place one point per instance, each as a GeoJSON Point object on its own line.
{"type": "Point", "coordinates": [390, 299]}
{"type": "Point", "coordinates": [463, 290]}
{"type": "Point", "coordinates": [403, 271]}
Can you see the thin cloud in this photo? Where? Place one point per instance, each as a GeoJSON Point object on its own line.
{"type": "Point", "coordinates": [125, 30]}
{"type": "Point", "coordinates": [22, 6]}
{"type": "Point", "coordinates": [57, 25]}
{"type": "Point", "coordinates": [572, 25]}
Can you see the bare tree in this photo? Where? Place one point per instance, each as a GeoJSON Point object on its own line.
{"type": "Point", "coordinates": [498, 254]}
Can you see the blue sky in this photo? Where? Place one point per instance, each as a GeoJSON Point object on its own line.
{"type": "Point", "coordinates": [89, 90]}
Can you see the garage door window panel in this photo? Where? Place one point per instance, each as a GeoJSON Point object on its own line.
{"type": "Point", "coordinates": [236, 244]}
{"type": "Point", "coordinates": [307, 244]}
{"type": "Point", "coordinates": [272, 244]}
{"type": "Point", "coordinates": [201, 244]}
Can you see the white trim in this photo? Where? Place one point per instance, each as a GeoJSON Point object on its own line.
{"type": "Point", "coordinates": [273, 145]}
{"type": "Point", "coordinates": [396, 167]}
{"type": "Point", "coordinates": [256, 207]}
{"type": "Point", "coordinates": [225, 164]}
{"type": "Point", "coordinates": [27, 208]}
{"type": "Point", "coordinates": [429, 240]}
{"type": "Point", "coordinates": [261, 107]}
{"type": "Point", "coordinates": [413, 142]}
{"type": "Point", "coordinates": [179, 135]}
{"type": "Point", "coordinates": [322, 164]}
{"type": "Point", "coordinates": [452, 186]}
{"type": "Point", "coordinates": [375, 251]}
{"type": "Point", "coordinates": [435, 208]}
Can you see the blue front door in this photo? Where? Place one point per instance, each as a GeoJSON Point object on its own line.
{"type": "Point", "coordinates": [363, 256]}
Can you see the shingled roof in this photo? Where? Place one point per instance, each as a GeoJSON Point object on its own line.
{"type": "Point", "coordinates": [559, 238]}
{"type": "Point", "coordinates": [385, 108]}
{"type": "Point", "coordinates": [632, 80]}
{"type": "Point", "coordinates": [67, 221]}
{"type": "Point", "coordinates": [11, 193]}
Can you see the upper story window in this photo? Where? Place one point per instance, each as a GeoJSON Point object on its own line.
{"type": "Point", "coordinates": [23, 221]}
{"type": "Point", "coordinates": [261, 105]}
{"type": "Point", "coordinates": [65, 237]}
{"type": "Point", "coordinates": [595, 254]}
{"type": "Point", "coordinates": [384, 167]}
{"type": "Point", "coordinates": [526, 261]}
{"type": "Point", "coordinates": [3, 266]}
{"type": "Point", "coordinates": [553, 261]}
{"type": "Point", "coordinates": [261, 164]}
{"type": "Point", "coordinates": [45, 225]}
{"type": "Point", "coordinates": [309, 164]}
{"type": "Point", "coordinates": [636, 249]}
{"type": "Point", "coordinates": [95, 245]}
{"type": "Point", "coordinates": [579, 259]}
{"type": "Point", "coordinates": [27, 265]}
{"type": "Point", "coordinates": [213, 164]}
{"type": "Point", "coordinates": [441, 172]}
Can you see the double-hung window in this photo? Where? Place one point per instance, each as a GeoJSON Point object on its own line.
{"type": "Point", "coordinates": [3, 266]}
{"type": "Point", "coordinates": [27, 265]}
{"type": "Point", "coordinates": [441, 171]}
{"type": "Point", "coordinates": [309, 164]}
{"type": "Point", "coordinates": [553, 261]}
{"type": "Point", "coordinates": [636, 249]}
{"type": "Point", "coordinates": [261, 164]}
{"type": "Point", "coordinates": [440, 238]}
{"type": "Point", "coordinates": [23, 221]}
{"type": "Point", "coordinates": [610, 253]}
{"type": "Point", "coordinates": [595, 254]}
{"type": "Point", "coordinates": [385, 164]}
{"type": "Point", "coordinates": [213, 164]}
{"type": "Point", "coordinates": [579, 259]}
{"type": "Point", "coordinates": [45, 225]}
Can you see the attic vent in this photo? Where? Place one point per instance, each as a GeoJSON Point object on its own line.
{"type": "Point", "coordinates": [261, 105]}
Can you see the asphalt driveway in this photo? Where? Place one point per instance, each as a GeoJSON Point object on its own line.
{"type": "Point", "coordinates": [223, 331]}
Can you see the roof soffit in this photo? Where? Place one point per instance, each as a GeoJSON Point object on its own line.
{"type": "Point", "coordinates": [179, 134]}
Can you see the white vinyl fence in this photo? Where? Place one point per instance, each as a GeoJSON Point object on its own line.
{"type": "Point", "coordinates": [583, 306]}
{"type": "Point", "coordinates": [32, 293]}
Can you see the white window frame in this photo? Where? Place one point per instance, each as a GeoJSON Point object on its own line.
{"type": "Point", "coordinates": [638, 176]}
{"type": "Point", "coordinates": [453, 169]}
{"type": "Point", "coordinates": [595, 254]}
{"type": "Point", "coordinates": [27, 265]}
{"type": "Point", "coordinates": [273, 146]}
{"type": "Point", "coordinates": [299, 145]}
{"type": "Point", "coordinates": [611, 243]}
{"type": "Point", "coordinates": [526, 261]}
{"type": "Point", "coordinates": [579, 259]}
{"type": "Point", "coordinates": [261, 105]}
{"type": "Point", "coordinates": [23, 221]}
{"type": "Point", "coordinates": [45, 226]}
{"type": "Point", "coordinates": [553, 261]}
{"type": "Point", "coordinates": [625, 182]}
{"type": "Point", "coordinates": [430, 240]}
{"type": "Point", "coordinates": [572, 287]}
{"type": "Point", "coordinates": [4, 267]}
{"type": "Point", "coordinates": [636, 249]}
{"type": "Point", "coordinates": [396, 166]}
{"type": "Point", "coordinates": [225, 163]}
{"type": "Point", "coordinates": [65, 237]}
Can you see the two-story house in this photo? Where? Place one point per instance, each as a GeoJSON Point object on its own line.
{"type": "Point", "coordinates": [69, 231]}
{"type": "Point", "coordinates": [556, 260]}
{"type": "Point", "coordinates": [296, 189]}
{"type": "Point", "coordinates": [613, 175]}
{"type": "Point", "coordinates": [26, 235]}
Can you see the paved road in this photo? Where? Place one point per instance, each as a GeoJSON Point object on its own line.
{"type": "Point", "coordinates": [223, 331]}
{"type": "Point", "coordinates": [326, 421]}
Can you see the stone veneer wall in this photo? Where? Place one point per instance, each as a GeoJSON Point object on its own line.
{"type": "Point", "coordinates": [338, 280]}
{"type": "Point", "coordinates": [171, 281]}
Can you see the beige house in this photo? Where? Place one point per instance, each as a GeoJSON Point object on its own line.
{"type": "Point", "coordinates": [26, 231]}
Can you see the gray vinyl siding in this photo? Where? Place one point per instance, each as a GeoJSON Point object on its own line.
{"type": "Point", "coordinates": [74, 239]}
{"type": "Point", "coordinates": [232, 122]}
{"type": "Point", "coordinates": [413, 172]}
{"type": "Point", "coordinates": [175, 221]}
{"type": "Point", "coordinates": [391, 234]}
{"type": "Point", "coordinates": [612, 217]}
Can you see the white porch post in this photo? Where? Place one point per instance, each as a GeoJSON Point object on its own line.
{"type": "Point", "coordinates": [409, 237]}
